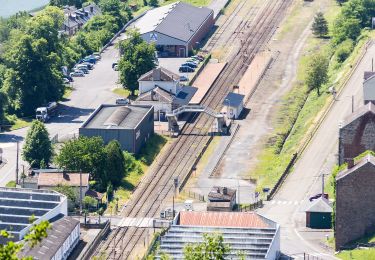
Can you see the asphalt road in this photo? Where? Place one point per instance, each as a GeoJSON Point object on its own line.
{"type": "Point", "coordinates": [90, 91]}
{"type": "Point", "coordinates": [319, 157]}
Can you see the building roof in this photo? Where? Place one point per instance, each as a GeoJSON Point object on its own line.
{"type": "Point", "coordinates": [233, 99]}
{"type": "Point", "coordinates": [156, 94]}
{"type": "Point", "coordinates": [94, 194]}
{"type": "Point", "coordinates": [59, 178]}
{"type": "Point", "coordinates": [368, 74]}
{"type": "Point", "coordinates": [221, 194]}
{"type": "Point", "coordinates": [320, 205]}
{"type": "Point", "coordinates": [222, 219]}
{"type": "Point", "coordinates": [18, 205]}
{"type": "Point", "coordinates": [159, 74]}
{"type": "Point", "coordinates": [178, 20]}
{"type": "Point", "coordinates": [368, 159]}
{"type": "Point", "coordinates": [363, 110]}
{"type": "Point", "coordinates": [185, 95]}
{"type": "Point", "coordinates": [58, 233]}
{"type": "Point", "coordinates": [117, 117]}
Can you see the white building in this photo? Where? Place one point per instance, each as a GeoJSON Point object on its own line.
{"type": "Point", "coordinates": [62, 238]}
{"type": "Point", "coordinates": [18, 205]}
{"type": "Point", "coordinates": [249, 233]}
{"type": "Point", "coordinates": [233, 105]}
{"type": "Point", "coordinates": [159, 77]}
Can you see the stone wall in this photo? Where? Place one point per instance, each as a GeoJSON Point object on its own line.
{"type": "Point", "coordinates": [355, 206]}
{"type": "Point", "coordinates": [357, 137]}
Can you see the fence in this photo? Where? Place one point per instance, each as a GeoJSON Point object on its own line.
{"type": "Point", "coordinates": [91, 248]}
{"type": "Point", "coordinates": [194, 195]}
{"type": "Point", "coordinates": [250, 207]}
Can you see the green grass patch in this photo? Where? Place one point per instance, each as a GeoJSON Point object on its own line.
{"type": "Point", "coordinates": [357, 254]}
{"type": "Point", "coordinates": [14, 123]}
{"type": "Point", "coordinates": [145, 158]}
{"type": "Point", "coordinates": [123, 92]}
{"type": "Point", "coordinates": [68, 91]}
{"type": "Point", "coordinates": [11, 184]}
{"type": "Point", "coordinates": [299, 110]}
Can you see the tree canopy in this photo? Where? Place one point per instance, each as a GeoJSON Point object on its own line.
{"type": "Point", "coordinates": [115, 163]}
{"type": "Point", "coordinates": [212, 248]}
{"type": "Point", "coordinates": [320, 25]}
{"type": "Point", "coordinates": [137, 58]}
{"type": "Point", "coordinates": [38, 148]}
{"type": "Point", "coordinates": [317, 72]}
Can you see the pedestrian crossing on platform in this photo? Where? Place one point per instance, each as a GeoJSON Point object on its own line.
{"type": "Point", "coordinates": [285, 202]}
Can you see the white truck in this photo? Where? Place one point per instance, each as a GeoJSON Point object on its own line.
{"type": "Point", "coordinates": [45, 113]}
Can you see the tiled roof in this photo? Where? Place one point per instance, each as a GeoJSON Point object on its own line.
{"type": "Point", "coordinates": [70, 179]}
{"type": "Point", "coordinates": [156, 94]}
{"type": "Point", "coordinates": [159, 74]}
{"type": "Point", "coordinates": [222, 219]}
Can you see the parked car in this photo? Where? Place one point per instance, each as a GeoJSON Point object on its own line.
{"type": "Point", "coordinates": [69, 78]}
{"type": "Point", "coordinates": [114, 64]}
{"type": "Point", "coordinates": [317, 196]}
{"type": "Point", "coordinates": [196, 62]}
{"type": "Point", "coordinates": [190, 64]}
{"type": "Point", "coordinates": [97, 55]}
{"type": "Point", "coordinates": [89, 65]}
{"type": "Point", "coordinates": [115, 68]}
{"type": "Point", "coordinates": [81, 66]}
{"type": "Point", "coordinates": [184, 78]}
{"type": "Point", "coordinates": [122, 101]}
{"type": "Point", "coordinates": [77, 73]}
{"type": "Point", "coordinates": [89, 59]}
{"type": "Point", "coordinates": [84, 70]}
{"type": "Point", "coordinates": [198, 57]}
{"type": "Point", "coordinates": [186, 69]}
{"type": "Point", "coordinates": [66, 81]}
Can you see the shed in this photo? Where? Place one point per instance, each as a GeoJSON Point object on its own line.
{"type": "Point", "coordinates": [319, 214]}
{"type": "Point", "coordinates": [233, 105]}
{"type": "Point", "coordinates": [221, 199]}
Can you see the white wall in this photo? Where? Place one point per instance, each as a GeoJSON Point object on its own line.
{"type": "Point", "coordinates": [158, 106]}
{"type": "Point", "coordinates": [170, 86]}
{"type": "Point", "coordinates": [274, 250]}
{"type": "Point", "coordinates": [232, 112]}
{"type": "Point", "coordinates": [68, 245]}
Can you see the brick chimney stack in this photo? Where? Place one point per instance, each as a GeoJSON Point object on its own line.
{"type": "Point", "coordinates": [350, 162]}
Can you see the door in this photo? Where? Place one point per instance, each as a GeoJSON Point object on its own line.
{"type": "Point", "coordinates": [182, 52]}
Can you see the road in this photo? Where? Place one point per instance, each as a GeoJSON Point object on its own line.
{"type": "Point", "coordinates": [90, 91]}
{"type": "Point", "coordinates": [305, 180]}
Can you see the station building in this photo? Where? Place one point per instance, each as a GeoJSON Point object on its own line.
{"type": "Point", "coordinates": [176, 28]}
{"type": "Point", "coordinates": [131, 125]}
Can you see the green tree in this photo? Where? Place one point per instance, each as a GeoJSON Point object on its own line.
{"type": "Point", "coordinates": [153, 3]}
{"type": "Point", "coordinates": [115, 163]}
{"type": "Point", "coordinates": [69, 192]}
{"type": "Point", "coordinates": [346, 28]}
{"type": "Point", "coordinates": [89, 202]}
{"type": "Point", "coordinates": [138, 57]}
{"type": "Point", "coordinates": [212, 248]}
{"type": "Point", "coordinates": [317, 72]}
{"type": "Point", "coordinates": [10, 249]}
{"type": "Point", "coordinates": [86, 154]}
{"type": "Point", "coordinates": [37, 146]}
{"type": "Point", "coordinates": [320, 25]}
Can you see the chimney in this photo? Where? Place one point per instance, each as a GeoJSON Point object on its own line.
{"type": "Point", "coordinates": [350, 162]}
{"type": "Point", "coordinates": [225, 190]}
{"type": "Point", "coordinates": [91, 9]}
{"type": "Point", "coordinates": [156, 74]}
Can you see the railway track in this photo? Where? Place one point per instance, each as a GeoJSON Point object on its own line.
{"type": "Point", "coordinates": [158, 186]}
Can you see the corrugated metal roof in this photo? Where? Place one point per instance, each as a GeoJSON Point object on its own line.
{"type": "Point", "coordinates": [222, 219]}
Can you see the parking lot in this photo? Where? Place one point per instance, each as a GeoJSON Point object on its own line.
{"type": "Point", "coordinates": [173, 64]}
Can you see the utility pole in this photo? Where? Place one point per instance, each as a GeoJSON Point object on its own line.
{"type": "Point", "coordinates": [323, 174]}
{"type": "Point", "coordinates": [80, 192]}
{"type": "Point", "coordinates": [18, 146]}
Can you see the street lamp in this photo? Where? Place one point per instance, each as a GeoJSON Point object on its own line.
{"type": "Point", "coordinates": [17, 158]}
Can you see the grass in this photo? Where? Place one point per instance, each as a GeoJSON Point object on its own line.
{"type": "Point", "coordinates": [145, 158]}
{"type": "Point", "coordinates": [123, 92]}
{"type": "Point", "coordinates": [357, 254]}
{"type": "Point", "coordinates": [11, 184]}
{"type": "Point", "coordinates": [17, 123]}
{"type": "Point", "coordinates": [68, 91]}
{"type": "Point", "coordinates": [298, 112]}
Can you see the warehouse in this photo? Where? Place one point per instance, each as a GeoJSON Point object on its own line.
{"type": "Point", "coordinates": [131, 125]}
{"type": "Point", "coordinates": [176, 28]}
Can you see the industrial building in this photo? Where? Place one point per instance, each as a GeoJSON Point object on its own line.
{"type": "Point", "coordinates": [176, 28]}
{"type": "Point", "coordinates": [17, 206]}
{"type": "Point", "coordinates": [255, 236]}
{"type": "Point", "coordinates": [355, 208]}
{"type": "Point", "coordinates": [131, 125]}
{"type": "Point", "coordinates": [356, 133]}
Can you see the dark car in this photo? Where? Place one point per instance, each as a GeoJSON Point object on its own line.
{"type": "Point", "coordinates": [69, 78]}
{"type": "Point", "coordinates": [114, 64]}
{"type": "Point", "coordinates": [186, 69]}
{"type": "Point", "coordinates": [190, 64]}
{"type": "Point", "coordinates": [184, 78]}
{"type": "Point", "coordinates": [317, 196]}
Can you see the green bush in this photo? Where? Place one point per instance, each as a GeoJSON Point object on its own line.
{"type": "Point", "coordinates": [344, 49]}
